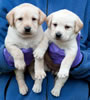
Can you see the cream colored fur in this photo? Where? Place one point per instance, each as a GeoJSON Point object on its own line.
{"type": "Point", "coordinates": [25, 15]}
{"type": "Point", "coordinates": [68, 25]}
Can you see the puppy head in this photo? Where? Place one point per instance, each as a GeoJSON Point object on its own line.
{"type": "Point", "coordinates": [26, 18]}
{"type": "Point", "coordinates": [64, 25]}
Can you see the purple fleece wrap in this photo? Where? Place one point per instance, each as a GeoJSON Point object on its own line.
{"type": "Point", "coordinates": [55, 53]}
{"type": "Point", "coordinates": [28, 56]}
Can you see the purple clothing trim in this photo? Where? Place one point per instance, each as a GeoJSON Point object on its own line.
{"type": "Point", "coordinates": [57, 54]}
{"type": "Point", "coordinates": [28, 56]}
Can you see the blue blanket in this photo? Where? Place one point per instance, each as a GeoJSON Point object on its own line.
{"type": "Point", "coordinates": [76, 87]}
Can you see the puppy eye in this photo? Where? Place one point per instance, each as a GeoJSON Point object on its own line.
{"type": "Point", "coordinates": [20, 18]}
{"type": "Point", "coordinates": [67, 27]}
{"type": "Point", "coordinates": [55, 24]}
{"type": "Point", "coordinates": [33, 19]}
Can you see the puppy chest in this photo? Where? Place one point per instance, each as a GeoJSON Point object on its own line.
{"type": "Point", "coordinates": [28, 44]}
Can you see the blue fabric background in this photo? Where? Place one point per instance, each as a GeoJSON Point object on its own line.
{"type": "Point", "coordinates": [74, 89]}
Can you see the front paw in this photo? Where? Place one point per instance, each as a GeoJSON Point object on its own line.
{"type": "Point", "coordinates": [38, 53]}
{"type": "Point", "coordinates": [20, 65]}
{"type": "Point", "coordinates": [63, 73]}
{"type": "Point", "coordinates": [55, 92]}
{"type": "Point", "coordinates": [23, 89]}
{"type": "Point", "coordinates": [37, 88]}
{"type": "Point", "coordinates": [40, 74]}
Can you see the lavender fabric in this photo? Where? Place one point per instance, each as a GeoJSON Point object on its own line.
{"type": "Point", "coordinates": [28, 56]}
{"type": "Point", "coordinates": [56, 54]}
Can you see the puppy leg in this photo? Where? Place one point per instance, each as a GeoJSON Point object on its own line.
{"type": "Point", "coordinates": [59, 83]}
{"type": "Point", "coordinates": [66, 65]}
{"type": "Point", "coordinates": [23, 89]}
{"type": "Point", "coordinates": [42, 47]}
{"type": "Point", "coordinates": [17, 55]}
{"type": "Point", "coordinates": [37, 87]}
{"type": "Point", "coordinates": [31, 71]}
{"type": "Point", "coordinates": [39, 69]}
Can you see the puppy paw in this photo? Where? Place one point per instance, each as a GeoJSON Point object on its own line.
{"type": "Point", "coordinates": [38, 53]}
{"type": "Point", "coordinates": [63, 73]}
{"type": "Point", "coordinates": [20, 65]}
{"type": "Point", "coordinates": [37, 88]}
{"type": "Point", "coordinates": [40, 74]}
{"type": "Point", "coordinates": [55, 92]}
{"type": "Point", "coordinates": [23, 89]}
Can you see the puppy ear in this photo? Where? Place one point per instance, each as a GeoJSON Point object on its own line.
{"type": "Point", "coordinates": [78, 25]}
{"type": "Point", "coordinates": [48, 20]}
{"type": "Point", "coordinates": [42, 17]}
{"type": "Point", "coordinates": [10, 17]}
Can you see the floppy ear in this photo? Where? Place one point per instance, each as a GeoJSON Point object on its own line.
{"type": "Point", "coordinates": [78, 25]}
{"type": "Point", "coordinates": [10, 17]}
{"type": "Point", "coordinates": [42, 17]}
{"type": "Point", "coordinates": [48, 20]}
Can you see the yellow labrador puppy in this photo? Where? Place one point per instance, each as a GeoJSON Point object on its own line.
{"type": "Point", "coordinates": [25, 31]}
{"type": "Point", "coordinates": [63, 28]}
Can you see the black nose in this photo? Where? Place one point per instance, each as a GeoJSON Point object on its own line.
{"type": "Point", "coordinates": [58, 35]}
{"type": "Point", "coordinates": [27, 29]}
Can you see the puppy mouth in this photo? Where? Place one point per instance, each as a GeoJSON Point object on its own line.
{"type": "Point", "coordinates": [58, 38]}
{"type": "Point", "coordinates": [62, 40]}
{"type": "Point", "coordinates": [27, 33]}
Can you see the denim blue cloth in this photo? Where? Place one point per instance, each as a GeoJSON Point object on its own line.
{"type": "Point", "coordinates": [76, 88]}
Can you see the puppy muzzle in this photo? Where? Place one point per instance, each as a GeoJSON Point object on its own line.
{"type": "Point", "coordinates": [58, 35]}
{"type": "Point", "coordinates": [27, 29]}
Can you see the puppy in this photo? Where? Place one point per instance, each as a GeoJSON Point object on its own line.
{"type": "Point", "coordinates": [25, 31]}
{"type": "Point", "coordinates": [63, 28]}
